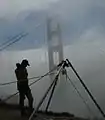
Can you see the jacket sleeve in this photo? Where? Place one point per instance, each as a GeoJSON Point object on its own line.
{"type": "Point", "coordinates": [16, 74]}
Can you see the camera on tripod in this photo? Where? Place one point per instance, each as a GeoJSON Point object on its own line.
{"type": "Point", "coordinates": [65, 64]}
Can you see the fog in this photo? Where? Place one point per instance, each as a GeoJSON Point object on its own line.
{"type": "Point", "coordinates": [83, 33]}
{"type": "Point", "coordinates": [87, 59]}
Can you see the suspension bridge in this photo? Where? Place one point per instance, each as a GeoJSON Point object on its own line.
{"type": "Point", "coordinates": [57, 69]}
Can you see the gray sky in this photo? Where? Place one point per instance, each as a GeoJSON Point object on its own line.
{"type": "Point", "coordinates": [82, 20]}
{"type": "Point", "coordinates": [13, 7]}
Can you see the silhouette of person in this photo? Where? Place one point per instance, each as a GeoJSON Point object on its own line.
{"type": "Point", "coordinates": [22, 85]}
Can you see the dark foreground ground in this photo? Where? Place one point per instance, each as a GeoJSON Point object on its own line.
{"type": "Point", "coordinates": [11, 112]}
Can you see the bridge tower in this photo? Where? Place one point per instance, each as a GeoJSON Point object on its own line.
{"type": "Point", "coordinates": [55, 47]}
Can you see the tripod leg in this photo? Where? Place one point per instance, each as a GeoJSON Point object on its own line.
{"type": "Point", "coordinates": [40, 103]}
{"type": "Point", "coordinates": [43, 98]}
{"type": "Point", "coordinates": [87, 90]}
{"type": "Point", "coordinates": [52, 92]}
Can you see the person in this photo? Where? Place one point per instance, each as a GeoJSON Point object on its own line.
{"type": "Point", "coordinates": [16, 72]}
{"type": "Point", "coordinates": [22, 85]}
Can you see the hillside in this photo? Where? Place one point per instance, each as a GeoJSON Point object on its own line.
{"type": "Point", "coordinates": [11, 112]}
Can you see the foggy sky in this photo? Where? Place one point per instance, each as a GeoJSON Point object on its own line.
{"type": "Point", "coordinates": [79, 20]}
{"type": "Point", "coordinates": [89, 63]}
{"type": "Point", "coordinates": [83, 33]}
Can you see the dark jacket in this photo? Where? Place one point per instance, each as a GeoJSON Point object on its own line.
{"type": "Point", "coordinates": [22, 78]}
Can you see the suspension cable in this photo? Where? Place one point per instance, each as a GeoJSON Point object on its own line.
{"type": "Point", "coordinates": [10, 39]}
{"type": "Point", "coordinates": [78, 92]}
{"type": "Point", "coordinates": [11, 43]}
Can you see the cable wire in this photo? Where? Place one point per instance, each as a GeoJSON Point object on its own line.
{"type": "Point", "coordinates": [12, 82]}
{"type": "Point", "coordinates": [87, 89]}
{"type": "Point", "coordinates": [78, 92]}
{"type": "Point", "coordinates": [16, 40]}
{"type": "Point", "coordinates": [30, 84]}
{"type": "Point", "coordinates": [11, 43]}
{"type": "Point", "coordinates": [10, 39]}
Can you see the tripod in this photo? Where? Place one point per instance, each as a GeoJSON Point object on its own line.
{"type": "Point", "coordinates": [53, 85]}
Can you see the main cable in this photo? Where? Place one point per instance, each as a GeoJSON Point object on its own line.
{"type": "Point", "coordinates": [11, 43]}
{"type": "Point", "coordinates": [10, 39]}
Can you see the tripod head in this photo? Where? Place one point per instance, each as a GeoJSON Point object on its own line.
{"type": "Point", "coordinates": [69, 63]}
{"type": "Point", "coordinates": [65, 63]}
